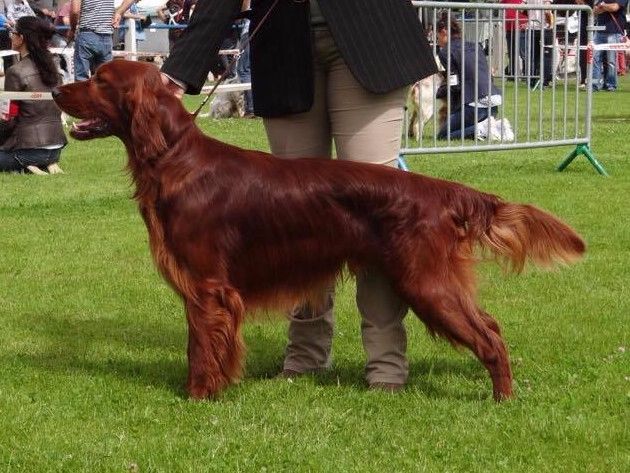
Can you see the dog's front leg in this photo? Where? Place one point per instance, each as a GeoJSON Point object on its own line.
{"type": "Point", "coordinates": [215, 344]}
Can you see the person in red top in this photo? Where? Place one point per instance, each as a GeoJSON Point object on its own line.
{"type": "Point", "coordinates": [515, 25]}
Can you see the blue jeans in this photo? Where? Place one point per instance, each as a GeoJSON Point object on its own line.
{"type": "Point", "coordinates": [244, 73]}
{"type": "Point", "coordinates": [455, 120]}
{"type": "Point", "coordinates": [18, 159]}
{"type": "Point", "coordinates": [610, 81]}
{"type": "Point", "coordinates": [90, 51]}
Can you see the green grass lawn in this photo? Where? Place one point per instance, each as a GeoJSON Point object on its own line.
{"type": "Point", "coordinates": [93, 343]}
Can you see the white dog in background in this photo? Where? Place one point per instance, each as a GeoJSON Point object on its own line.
{"type": "Point", "coordinates": [422, 103]}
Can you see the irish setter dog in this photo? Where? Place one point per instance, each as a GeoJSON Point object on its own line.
{"type": "Point", "coordinates": [233, 230]}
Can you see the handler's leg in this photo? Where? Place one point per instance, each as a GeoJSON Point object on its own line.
{"type": "Point", "coordinates": [367, 127]}
{"type": "Point", "coordinates": [306, 135]}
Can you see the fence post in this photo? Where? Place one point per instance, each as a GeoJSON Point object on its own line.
{"type": "Point", "coordinates": [131, 43]}
{"type": "Point", "coordinates": [585, 149]}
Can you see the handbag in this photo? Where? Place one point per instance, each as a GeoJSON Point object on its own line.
{"type": "Point", "coordinates": [624, 36]}
{"type": "Point", "coordinates": [10, 110]}
{"type": "Point", "coordinates": [6, 129]}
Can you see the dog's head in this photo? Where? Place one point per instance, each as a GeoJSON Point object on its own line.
{"type": "Point", "coordinates": [126, 99]}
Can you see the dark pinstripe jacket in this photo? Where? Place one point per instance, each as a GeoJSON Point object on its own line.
{"type": "Point", "coordinates": [382, 42]}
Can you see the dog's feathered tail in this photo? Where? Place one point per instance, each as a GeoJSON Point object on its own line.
{"type": "Point", "coordinates": [515, 233]}
{"type": "Point", "coordinates": [520, 232]}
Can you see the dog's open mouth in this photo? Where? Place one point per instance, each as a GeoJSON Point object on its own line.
{"type": "Point", "coordinates": [90, 128]}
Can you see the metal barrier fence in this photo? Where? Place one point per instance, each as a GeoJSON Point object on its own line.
{"type": "Point", "coordinates": [538, 103]}
{"type": "Point", "coordinates": [488, 104]}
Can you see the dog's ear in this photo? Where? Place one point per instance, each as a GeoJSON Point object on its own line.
{"type": "Point", "coordinates": [144, 108]}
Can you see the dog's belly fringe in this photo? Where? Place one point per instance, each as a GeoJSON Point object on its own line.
{"type": "Point", "coordinates": [164, 259]}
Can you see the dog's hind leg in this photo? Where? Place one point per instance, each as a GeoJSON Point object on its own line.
{"type": "Point", "coordinates": [448, 310]}
{"type": "Point", "coordinates": [215, 344]}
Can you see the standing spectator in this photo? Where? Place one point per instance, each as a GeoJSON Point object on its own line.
{"type": "Point", "coordinates": [176, 12]}
{"type": "Point", "coordinates": [134, 14]}
{"type": "Point", "coordinates": [583, 41]}
{"type": "Point", "coordinates": [515, 27]}
{"type": "Point", "coordinates": [91, 26]}
{"type": "Point", "coordinates": [230, 42]}
{"type": "Point", "coordinates": [45, 9]}
{"type": "Point", "coordinates": [33, 131]}
{"type": "Point", "coordinates": [63, 19]}
{"type": "Point", "coordinates": [243, 67]}
{"type": "Point", "coordinates": [539, 36]}
{"type": "Point", "coordinates": [611, 15]}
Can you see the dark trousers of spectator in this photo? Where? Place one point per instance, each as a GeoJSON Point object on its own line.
{"type": "Point", "coordinates": [5, 43]}
{"type": "Point", "coordinates": [230, 42]}
{"type": "Point", "coordinates": [534, 49]}
{"type": "Point", "coordinates": [462, 122]}
{"type": "Point", "coordinates": [19, 159]}
{"type": "Point", "coordinates": [515, 40]}
{"type": "Point", "coordinates": [583, 42]}
{"type": "Point", "coordinates": [244, 72]}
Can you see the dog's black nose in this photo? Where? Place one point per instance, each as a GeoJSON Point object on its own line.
{"type": "Point", "coordinates": [55, 92]}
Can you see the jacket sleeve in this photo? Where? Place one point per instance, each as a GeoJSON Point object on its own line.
{"type": "Point", "coordinates": [13, 82]}
{"type": "Point", "coordinates": [195, 51]}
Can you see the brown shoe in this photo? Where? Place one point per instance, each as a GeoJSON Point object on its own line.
{"type": "Point", "coordinates": [387, 387]}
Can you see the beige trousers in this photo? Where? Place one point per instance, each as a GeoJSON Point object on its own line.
{"type": "Point", "coordinates": [364, 127]}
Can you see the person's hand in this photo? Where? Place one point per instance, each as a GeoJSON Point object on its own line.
{"type": "Point", "coordinates": [116, 19]}
{"type": "Point", "coordinates": [175, 89]}
{"type": "Point", "coordinates": [549, 18]}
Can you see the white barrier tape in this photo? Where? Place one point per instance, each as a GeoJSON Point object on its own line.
{"type": "Point", "coordinates": [229, 87]}
{"type": "Point", "coordinates": [48, 96]}
{"type": "Point", "coordinates": [70, 51]}
{"type": "Point", "coordinates": [595, 47]}
{"type": "Point", "coordinates": [25, 96]}
{"type": "Point", "coordinates": [610, 47]}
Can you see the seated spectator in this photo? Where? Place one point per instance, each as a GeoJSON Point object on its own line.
{"type": "Point", "coordinates": [31, 131]}
{"type": "Point", "coordinates": [468, 64]}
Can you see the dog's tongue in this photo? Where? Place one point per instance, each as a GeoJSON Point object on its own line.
{"type": "Point", "coordinates": [85, 127]}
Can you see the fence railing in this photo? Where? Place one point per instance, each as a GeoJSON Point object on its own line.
{"type": "Point", "coordinates": [529, 90]}
{"type": "Point", "coordinates": [499, 96]}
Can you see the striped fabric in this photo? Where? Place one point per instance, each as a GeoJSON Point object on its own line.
{"type": "Point", "coordinates": [382, 42]}
{"type": "Point", "coordinates": [96, 16]}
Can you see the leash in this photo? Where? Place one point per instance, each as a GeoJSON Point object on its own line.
{"type": "Point", "coordinates": [223, 76]}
